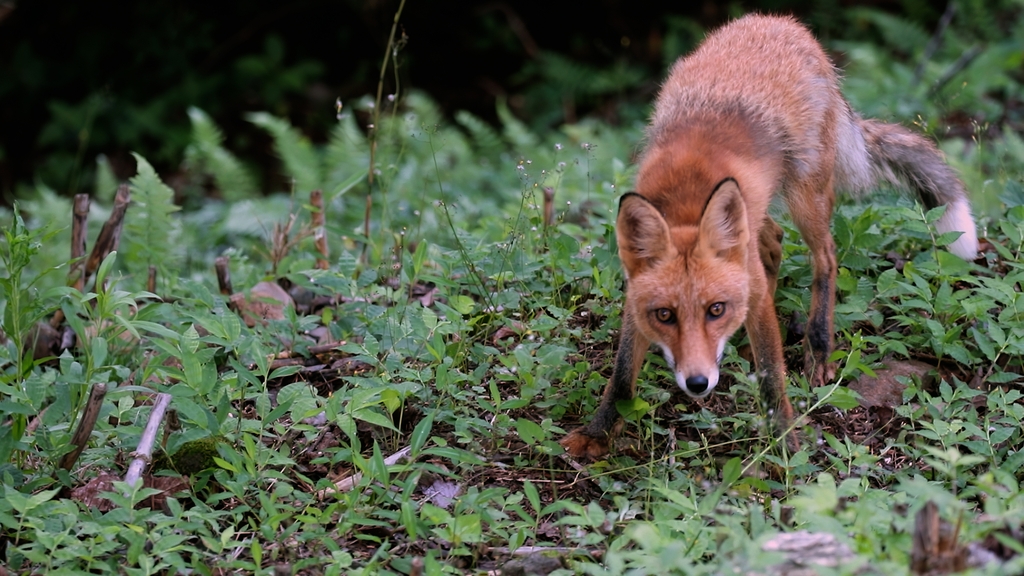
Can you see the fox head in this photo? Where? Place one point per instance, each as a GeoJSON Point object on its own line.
{"type": "Point", "coordinates": [687, 285]}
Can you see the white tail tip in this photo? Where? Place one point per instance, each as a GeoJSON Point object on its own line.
{"type": "Point", "coordinates": [958, 219]}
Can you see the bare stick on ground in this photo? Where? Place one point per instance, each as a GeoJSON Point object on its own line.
{"type": "Point", "coordinates": [223, 275]}
{"type": "Point", "coordinates": [316, 199]}
{"type": "Point", "coordinates": [151, 279]}
{"type": "Point", "coordinates": [144, 454]}
{"type": "Point", "coordinates": [347, 483]}
{"type": "Point", "coordinates": [88, 421]}
{"type": "Point", "coordinates": [110, 234]}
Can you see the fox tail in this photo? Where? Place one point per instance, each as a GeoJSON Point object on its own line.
{"type": "Point", "coordinates": [872, 152]}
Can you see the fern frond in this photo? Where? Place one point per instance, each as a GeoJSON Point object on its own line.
{"type": "Point", "coordinates": [485, 138]}
{"type": "Point", "coordinates": [300, 159]}
{"type": "Point", "coordinates": [515, 131]}
{"type": "Point", "coordinates": [899, 33]}
{"type": "Point", "coordinates": [205, 132]}
{"type": "Point", "coordinates": [207, 155]}
{"type": "Point", "coordinates": [105, 183]}
{"type": "Point", "coordinates": [428, 113]}
{"type": "Point", "coordinates": [346, 157]}
{"type": "Point", "coordinates": [148, 224]}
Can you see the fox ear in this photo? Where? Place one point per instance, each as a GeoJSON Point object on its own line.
{"type": "Point", "coordinates": [642, 233]}
{"type": "Point", "coordinates": [724, 230]}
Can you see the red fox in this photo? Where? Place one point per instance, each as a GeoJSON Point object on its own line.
{"type": "Point", "coordinates": [755, 110]}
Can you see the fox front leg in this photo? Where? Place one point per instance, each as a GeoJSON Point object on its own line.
{"type": "Point", "coordinates": [594, 439]}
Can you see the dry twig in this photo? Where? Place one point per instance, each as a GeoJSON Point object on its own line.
{"type": "Point", "coordinates": [144, 453]}
{"type": "Point", "coordinates": [347, 483]}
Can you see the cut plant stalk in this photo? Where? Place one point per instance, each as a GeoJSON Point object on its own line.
{"type": "Point", "coordinates": [79, 230]}
{"type": "Point", "coordinates": [316, 199]}
{"type": "Point", "coordinates": [223, 275]}
{"type": "Point", "coordinates": [549, 206]}
{"type": "Point", "coordinates": [110, 234]}
{"type": "Point", "coordinates": [85, 425]}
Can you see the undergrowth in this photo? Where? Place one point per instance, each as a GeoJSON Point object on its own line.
{"type": "Point", "coordinates": [467, 332]}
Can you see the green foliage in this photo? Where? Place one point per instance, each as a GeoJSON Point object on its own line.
{"type": "Point", "coordinates": [465, 342]}
{"type": "Point", "coordinates": [559, 84]}
{"type": "Point", "coordinates": [925, 83]}
{"type": "Point", "coordinates": [21, 307]}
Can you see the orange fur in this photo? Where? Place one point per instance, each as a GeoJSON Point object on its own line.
{"type": "Point", "coordinates": [755, 111]}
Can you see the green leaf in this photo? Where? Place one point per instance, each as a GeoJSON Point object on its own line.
{"type": "Point", "coordinates": [304, 403]}
{"type": "Point", "coordinates": [371, 416]}
{"type": "Point", "coordinates": [462, 304]}
{"type": "Point", "coordinates": [532, 495]}
{"type": "Point", "coordinates": [378, 469]}
{"type": "Point", "coordinates": [420, 433]}
{"type": "Point", "coordinates": [529, 431]}
{"type": "Point", "coordinates": [839, 396]}
{"type": "Point", "coordinates": [224, 464]}
{"type": "Point", "coordinates": [732, 471]}
{"type": "Point", "coordinates": [104, 269]}
{"type": "Point", "coordinates": [633, 409]}
{"type": "Point", "coordinates": [98, 348]}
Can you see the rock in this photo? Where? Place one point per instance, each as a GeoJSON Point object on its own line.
{"type": "Point", "coordinates": [266, 301]}
{"type": "Point", "coordinates": [536, 564]}
{"type": "Point", "coordinates": [884, 390]}
{"type": "Point", "coordinates": [808, 552]}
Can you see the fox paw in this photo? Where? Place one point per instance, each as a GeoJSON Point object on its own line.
{"type": "Point", "coordinates": [818, 372]}
{"type": "Point", "coordinates": [580, 444]}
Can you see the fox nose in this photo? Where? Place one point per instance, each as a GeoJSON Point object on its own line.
{"type": "Point", "coordinates": [696, 385]}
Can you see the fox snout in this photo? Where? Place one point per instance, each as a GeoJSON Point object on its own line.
{"type": "Point", "coordinates": [696, 382]}
{"type": "Point", "coordinates": [697, 385]}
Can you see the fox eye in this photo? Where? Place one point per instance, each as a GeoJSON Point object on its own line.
{"type": "Point", "coordinates": [665, 316]}
{"type": "Point", "coordinates": [716, 309]}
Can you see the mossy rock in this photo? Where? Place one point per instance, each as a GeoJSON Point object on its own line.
{"type": "Point", "coordinates": [191, 457]}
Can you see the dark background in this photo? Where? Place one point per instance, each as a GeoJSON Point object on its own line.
{"type": "Point", "coordinates": [78, 79]}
